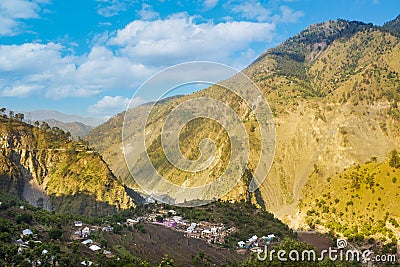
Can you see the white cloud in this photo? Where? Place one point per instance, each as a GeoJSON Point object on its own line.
{"type": "Point", "coordinates": [124, 59]}
{"type": "Point", "coordinates": [288, 15]}
{"type": "Point", "coordinates": [110, 8]}
{"type": "Point", "coordinates": [252, 10]}
{"type": "Point", "coordinates": [31, 68]}
{"type": "Point", "coordinates": [12, 12]}
{"type": "Point", "coordinates": [210, 4]}
{"type": "Point", "coordinates": [178, 39]}
{"type": "Point", "coordinates": [113, 105]}
{"type": "Point", "coordinates": [21, 90]}
{"type": "Point", "coordinates": [147, 12]}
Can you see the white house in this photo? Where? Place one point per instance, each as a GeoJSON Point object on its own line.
{"type": "Point", "coordinates": [172, 212]}
{"type": "Point", "coordinates": [87, 263]}
{"type": "Point", "coordinates": [85, 231]}
{"type": "Point", "coordinates": [87, 242]}
{"type": "Point", "coordinates": [241, 244]}
{"type": "Point", "coordinates": [132, 221]}
{"type": "Point", "coordinates": [27, 232]}
{"type": "Point", "coordinates": [253, 239]}
{"type": "Point", "coordinates": [108, 229]}
{"type": "Point", "coordinates": [268, 238]}
{"type": "Point", "coordinates": [191, 227]}
{"type": "Point", "coordinates": [94, 247]}
{"type": "Point", "coordinates": [271, 236]}
{"type": "Point", "coordinates": [78, 223]}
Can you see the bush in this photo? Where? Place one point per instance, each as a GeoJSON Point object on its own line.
{"type": "Point", "coordinates": [24, 218]}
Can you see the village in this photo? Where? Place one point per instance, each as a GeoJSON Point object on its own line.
{"type": "Point", "coordinates": [212, 233]}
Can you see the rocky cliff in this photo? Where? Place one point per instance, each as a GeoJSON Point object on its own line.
{"type": "Point", "coordinates": [45, 167]}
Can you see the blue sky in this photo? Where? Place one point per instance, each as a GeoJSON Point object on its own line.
{"type": "Point", "coordinates": [87, 57]}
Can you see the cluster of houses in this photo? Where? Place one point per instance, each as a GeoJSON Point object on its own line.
{"type": "Point", "coordinates": [84, 233]}
{"type": "Point", "coordinates": [23, 243]}
{"type": "Point", "coordinates": [255, 244]}
{"type": "Point", "coordinates": [211, 232]}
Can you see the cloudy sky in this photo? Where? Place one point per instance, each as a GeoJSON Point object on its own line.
{"type": "Point", "coordinates": [88, 57]}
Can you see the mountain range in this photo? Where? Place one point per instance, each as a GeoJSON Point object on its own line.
{"type": "Point", "coordinates": [334, 92]}
{"type": "Point", "coordinates": [45, 115]}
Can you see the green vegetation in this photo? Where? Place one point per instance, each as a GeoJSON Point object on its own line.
{"type": "Point", "coordinates": [394, 160]}
{"type": "Point", "coordinates": [365, 198]}
{"type": "Point", "coordinates": [51, 233]}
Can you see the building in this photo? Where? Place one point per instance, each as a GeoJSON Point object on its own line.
{"type": "Point", "coordinates": [172, 212]}
{"type": "Point", "coordinates": [94, 248]}
{"type": "Point", "coordinates": [87, 242]}
{"type": "Point", "coordinates": [85, 232]}
{"type": "Point", "coordinates": [108, 229]}
{"type": "Point", "coordinates": [27, 232]}
{"type": "Point", "coordinates": [242, 244]}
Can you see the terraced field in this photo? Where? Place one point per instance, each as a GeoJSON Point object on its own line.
{"type": "Point", "coordinates": [158, 241]}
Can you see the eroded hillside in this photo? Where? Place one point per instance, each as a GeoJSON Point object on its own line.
{"type": "Point", "coordinates": [46, 168]}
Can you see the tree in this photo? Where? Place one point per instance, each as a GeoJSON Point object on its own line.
{"type": "Point", "coordinates": [394, 159]}
{"type": "Point", "coordinates": [20, 116]}
{"type": "Point", "coordinates": [24, 217]}
{"type": "Point", "coordinates": [11, 114]}
{"type": "Point", "coordinates": [36, 123]}
{"type": "Point", "coordinates": [55, 233]}
{"type": "Point", "coordinates": [166, 262]}
{"type": "Point", "coordinates": [45, 126]}
{"type": "Point", "coordinates": [2, 110]}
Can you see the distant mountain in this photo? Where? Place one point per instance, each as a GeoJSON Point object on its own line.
{"type": "Point", "coordinates": [334, 91]}
{"type": "Point", "coordinates": [77, 129]}
{"type": "Point", "coordinates": [44, 115]}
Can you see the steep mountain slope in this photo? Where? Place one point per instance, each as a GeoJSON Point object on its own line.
{"type": "Point", "coordinates": [43, 166]}
{"type": "Point", "coordinates": [334, 91]}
